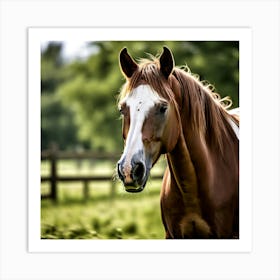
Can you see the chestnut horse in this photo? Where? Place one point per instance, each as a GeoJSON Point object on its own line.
{"type": "Point", "coordinates": [167, 111]}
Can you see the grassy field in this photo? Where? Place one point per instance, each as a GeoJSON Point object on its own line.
{"type": "Point", "coordinates": [126, 216]}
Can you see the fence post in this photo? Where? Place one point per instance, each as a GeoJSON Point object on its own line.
{"type": "Point", "coordinates": [53, 159]}
{"type": "Point", "coordinates": [86, 190]}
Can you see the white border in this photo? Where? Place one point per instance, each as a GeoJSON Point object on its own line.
{"type": "Point", "coordinates": [38, 35]}
{"type": "Point", "coordinates": [262, 16]}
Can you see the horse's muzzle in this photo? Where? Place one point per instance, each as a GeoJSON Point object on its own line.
{"type": "Point", "coordinates": [135, 179]}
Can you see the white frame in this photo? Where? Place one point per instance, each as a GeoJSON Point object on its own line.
{"type": "Point", "coordinates": [262, 262]}
{"type": "Point", "coordinates": [243, 35]}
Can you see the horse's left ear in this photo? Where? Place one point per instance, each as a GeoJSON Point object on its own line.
{"type": "Point", "coordinates": [166, 62]}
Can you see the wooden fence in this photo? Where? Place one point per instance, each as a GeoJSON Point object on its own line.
{"type": "Point", "coordinates": [53, 155]}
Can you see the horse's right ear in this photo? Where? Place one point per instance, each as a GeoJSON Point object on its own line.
{"type": "Point", "coordinates": [127, 64]}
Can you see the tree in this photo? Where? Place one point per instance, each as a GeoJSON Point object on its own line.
{"type": "Point", "coordinates": [57, 123]}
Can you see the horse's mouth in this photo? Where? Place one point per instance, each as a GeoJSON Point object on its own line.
{"type": "Point", "coordinates": [135, 187]}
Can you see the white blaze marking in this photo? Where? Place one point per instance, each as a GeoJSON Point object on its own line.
{"type": "Point", "coordinates": [140, 101]}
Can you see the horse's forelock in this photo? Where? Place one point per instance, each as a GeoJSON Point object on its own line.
{"type": "Point", "coordinates": [149, 73]}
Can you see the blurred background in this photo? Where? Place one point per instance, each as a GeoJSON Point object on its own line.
{"type": "Point", "coordinates": [81, 136]}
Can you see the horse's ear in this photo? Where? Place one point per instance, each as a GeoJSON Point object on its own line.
{"type": "Point", "coordinates": [127, 64]}
{"type": "Point", "coordinates": [166, 62]}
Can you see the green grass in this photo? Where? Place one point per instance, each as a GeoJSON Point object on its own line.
{"type": "Point", "coordinates": [127, 216]}
{"type": "Point", "coordinates": [101, 216]}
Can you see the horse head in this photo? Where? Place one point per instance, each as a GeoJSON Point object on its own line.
{"type": "Point", "coordinates": [151, 121]}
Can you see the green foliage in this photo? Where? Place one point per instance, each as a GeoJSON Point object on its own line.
{"type": "Point", "coordinates": [57, 123]}
{"type": "Point", "coordinates": [83, 93]}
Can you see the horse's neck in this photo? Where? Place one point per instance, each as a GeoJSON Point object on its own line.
{"type": "Point", "coordinates": [184, 174]}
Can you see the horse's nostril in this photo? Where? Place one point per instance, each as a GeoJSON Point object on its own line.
{"type": "Point", "coordinates": [120, 174]}
{"type": "Point", "coordinates": [138, 171]}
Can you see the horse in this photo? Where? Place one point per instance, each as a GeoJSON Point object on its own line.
{"type": "Point", "coordinates": [166, 110]}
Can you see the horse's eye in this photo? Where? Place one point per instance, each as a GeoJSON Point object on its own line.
{"type": "Point", "coordinates": [162, 108]}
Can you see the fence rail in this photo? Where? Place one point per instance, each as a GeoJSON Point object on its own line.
{"type": "Point", "coordinates": [54, 155]}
